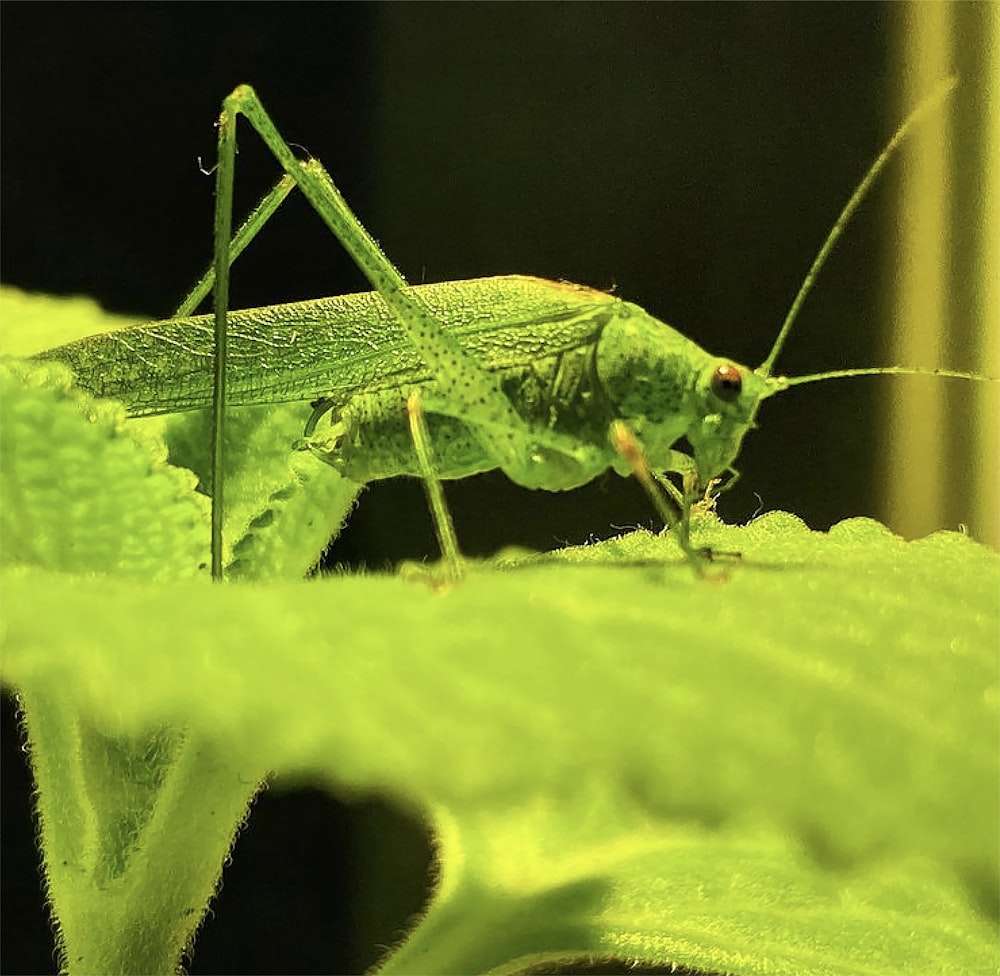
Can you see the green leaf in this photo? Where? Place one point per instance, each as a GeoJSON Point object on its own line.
{"type": "Point", "coordinates": [589, 877]}
{"type": "Point", "coordinates": [81, 491]}
{"type": "Point", "coordinates": [282, 507]}
{"type": "Point", "coordinates": [840, 688]}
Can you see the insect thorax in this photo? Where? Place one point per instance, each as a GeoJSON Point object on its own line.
{"type": "Point", "coordinates": [649, 373]}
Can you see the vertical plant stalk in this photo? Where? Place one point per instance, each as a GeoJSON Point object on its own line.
{"type": "Point", "coordinates": [986, 463]}
{"type": "Point", "coordinates": [944, 276]}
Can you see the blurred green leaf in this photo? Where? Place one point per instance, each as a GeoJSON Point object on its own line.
{"type": "Point", "coordinates": [590, 877]}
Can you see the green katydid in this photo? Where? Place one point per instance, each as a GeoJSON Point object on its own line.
{"type": "Point", "coordinates": [551, 382]}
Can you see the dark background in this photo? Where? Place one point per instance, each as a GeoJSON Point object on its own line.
{"type": "Point", "coordinates": [691, 155]}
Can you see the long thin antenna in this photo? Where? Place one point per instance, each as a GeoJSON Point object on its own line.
{"type": "Point", "coordinates": [928, 105]}
{"type": "Point", "coordinates": [837, 374]}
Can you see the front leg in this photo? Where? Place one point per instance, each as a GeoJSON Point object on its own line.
{"type": "Point", "coordinates": [677, 512]}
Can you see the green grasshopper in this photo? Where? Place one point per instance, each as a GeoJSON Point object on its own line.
{"type": "Point", "coordinates": [553, 383]}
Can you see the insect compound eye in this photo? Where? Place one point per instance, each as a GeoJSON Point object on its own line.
{"type": "Point", "coordinates": [727, 382]}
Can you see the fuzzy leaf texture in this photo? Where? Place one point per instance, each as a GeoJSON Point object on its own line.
{"type": "Point", "coordinates": [791, 769]}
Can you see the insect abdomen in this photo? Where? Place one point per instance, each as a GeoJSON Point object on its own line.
{"type": "Point", "coordinates": [557, 395]}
